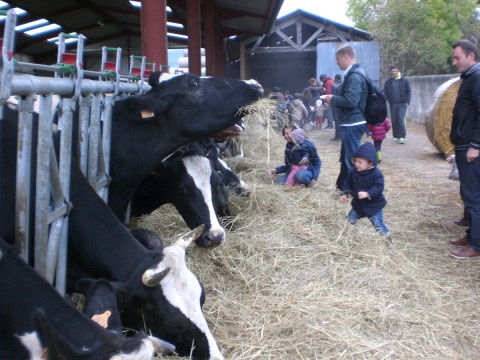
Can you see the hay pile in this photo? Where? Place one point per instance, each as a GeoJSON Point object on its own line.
{"type": "Point", "coordinates": [295, 281]}
{"type": "Point", "coordinates": [438, 119]}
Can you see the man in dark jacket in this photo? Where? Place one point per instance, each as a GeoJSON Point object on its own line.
{"type": "Point", "coordinates": [352, 98]}
{"type": "Point", "coordinates": [398, 93]}
{"type": "Point", "coordinates": [465, 135]}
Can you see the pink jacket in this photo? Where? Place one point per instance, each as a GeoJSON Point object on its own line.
{"type": "Point", "coordinates": [379, 132]}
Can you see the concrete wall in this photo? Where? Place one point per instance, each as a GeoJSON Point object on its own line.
{"type": "Point", "coordinates": [423, 88]}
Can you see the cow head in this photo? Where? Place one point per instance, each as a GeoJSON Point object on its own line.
{"type": "Point", "coordinates": [105, 346]}
{"type": "Point", "coordinates": [198, 201]}
{"type": "Point", "coordinates": [170, 307]}
{"type": "Point", "coordinates": [189, 102]}
{"type": "Point", "coordinates": [101, 306]}
{"type": "Point", "coordinates": [198, 193]}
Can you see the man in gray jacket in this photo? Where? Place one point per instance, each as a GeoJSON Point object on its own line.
{"type": "Point", "coordinates": [350, 101]}
{"type": "Point", "coordinates": [398, 93]}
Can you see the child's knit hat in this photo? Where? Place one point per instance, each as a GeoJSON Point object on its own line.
{"type": "Point", "coordinates": [366, 151]}
{"type": "Point", "coordinates": [298, 135]}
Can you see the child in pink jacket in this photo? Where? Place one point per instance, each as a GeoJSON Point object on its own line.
{"type": "Point", "coordinates": [379, 133]}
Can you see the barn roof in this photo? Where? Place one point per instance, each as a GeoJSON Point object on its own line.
{"type": "Point", "coordinates": [301, 30]}
{"type": "Point", "coordinates": [102, 20]}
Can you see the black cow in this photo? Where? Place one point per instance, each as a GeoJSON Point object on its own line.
{"type": "Point", "coordinates": [187, 181]}
{"type": "Point", "coordinates": [37, 323]}
{"type": "Point", "coordinates": [173, 113]}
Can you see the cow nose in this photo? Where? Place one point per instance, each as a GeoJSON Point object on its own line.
{"type": "Point", "coordinates": [211, 239]}
{"type": "Point", "coordinates": [256, 85]}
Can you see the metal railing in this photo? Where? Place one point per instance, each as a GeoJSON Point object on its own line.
{"type": "Point", "coordinates": [93, 101]}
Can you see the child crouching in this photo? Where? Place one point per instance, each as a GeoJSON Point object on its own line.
{"type": "Point", "coordinates": [365, 184]}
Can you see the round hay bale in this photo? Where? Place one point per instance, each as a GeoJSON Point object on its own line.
{"type": "Point", "coordinates": [438, 119]}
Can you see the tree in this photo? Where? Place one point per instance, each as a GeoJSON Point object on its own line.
{"type": "Point", "coordinates": [415, 35]}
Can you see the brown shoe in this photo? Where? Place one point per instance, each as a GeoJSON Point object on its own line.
{"type": "Point", "coordinates": [460, 242]}
{"type": "Point", "coordinates": [463, 253]}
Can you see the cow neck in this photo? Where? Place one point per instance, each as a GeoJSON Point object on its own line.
{"type": "Point", "coordinates": [97, 232]}
{"type": "Point", "coordinates": [133, 158]}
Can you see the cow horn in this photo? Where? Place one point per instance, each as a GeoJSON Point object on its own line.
{"type": "Point", "coordinates": [152, 277]}
{"type": "Point", "coordinates": [185, 240]}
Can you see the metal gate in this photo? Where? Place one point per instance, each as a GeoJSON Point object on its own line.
{"type": "Point", "coordinates": [94, 100]}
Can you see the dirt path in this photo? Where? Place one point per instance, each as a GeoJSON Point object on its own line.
{"type": "Point", "coordinates": [416, 161]}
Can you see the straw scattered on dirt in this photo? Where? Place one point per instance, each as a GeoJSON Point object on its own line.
{"type": "Point", "coordinates": [295, 281]}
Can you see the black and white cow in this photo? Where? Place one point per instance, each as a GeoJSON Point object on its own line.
{"type": "Point", "coordinates": [37, 323]}
{"type": "Point", "coordinates": [145, 129]}
{"type": "Point", "coordinates": [187, 181]}
{"type": "Point", "coordinates": [173, 113]}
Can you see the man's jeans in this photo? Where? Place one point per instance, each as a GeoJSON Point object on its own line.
{"type": "Point", "coordinates": [376, 220]}
{"type": "Point", "coordinates": [351, 140]}
{"type": "Point", "coordinates": [469, 173]}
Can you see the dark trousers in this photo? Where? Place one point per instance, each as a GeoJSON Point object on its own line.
{"type": "Point", "coordinates": [469, 173]}
{"type": "Point", "coordinates": [328, 114]}
{"type": "Point", "coordinates": [378, 145]}
{"type": "Point", "coordinates": [351, 140]}
{"type": "Point", "coordinates": [397, 114]}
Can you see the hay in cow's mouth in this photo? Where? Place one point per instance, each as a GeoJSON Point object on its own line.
{"type": "Point", "coordinates": [259, 111]}
{"type": "Point", "coordinates": [295, 281]}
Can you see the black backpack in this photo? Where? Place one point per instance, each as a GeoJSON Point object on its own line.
{"type": "Point", "coordinates": [375, 110]}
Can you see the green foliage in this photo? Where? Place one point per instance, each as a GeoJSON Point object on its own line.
{"type": "Point", "coordinates": [416, 35]}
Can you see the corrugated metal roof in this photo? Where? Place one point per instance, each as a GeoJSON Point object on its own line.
{"type": "Point", "coordinates": [102, 20]}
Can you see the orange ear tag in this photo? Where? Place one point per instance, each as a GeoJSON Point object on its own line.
{"type": "Point", "coordinates": [44, 354]}
{"type": "Point", "coordinates": [102, 319]}
{"type": "Point", "coordinates": [147, 114]}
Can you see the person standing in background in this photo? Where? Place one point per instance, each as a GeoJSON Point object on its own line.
{"type": "Point", "coordinates": [398, 93]}
{"type": "Point", "coordinates": [297, 110]}
{"type": "Point", "coordinates": [311, 94]}
{"type": "Point", "coordinates": [327, 83]}
{"type": "Point", "coordinates": [465, 135]}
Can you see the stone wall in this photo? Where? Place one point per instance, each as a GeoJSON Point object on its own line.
{"type": "Point", "coordinates": [423, 89]}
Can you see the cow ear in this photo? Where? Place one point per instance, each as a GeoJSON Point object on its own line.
{"type": "Point", "coordinates": [101, 303]}
{"type": "Point", "coordinates": [157, 77]}
{"type": "Point", "coordinates": [148, 106]}
{"type": "Point", "coordinates": [57, 346]}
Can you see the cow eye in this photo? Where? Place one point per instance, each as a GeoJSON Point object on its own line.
{"type": "Point", "coordinates": [194, 84]}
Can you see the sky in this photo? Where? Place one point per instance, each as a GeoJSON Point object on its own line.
{"type": "Point", "coordinates": [331, 9]}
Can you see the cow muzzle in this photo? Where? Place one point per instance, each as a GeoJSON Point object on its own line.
{"type": "Point", "coordinates": [211, 239]}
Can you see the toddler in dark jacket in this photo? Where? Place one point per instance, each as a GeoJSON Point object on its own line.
{"type": "Point", "coordinates": [365, 184]}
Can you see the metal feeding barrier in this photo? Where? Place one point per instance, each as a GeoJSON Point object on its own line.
{"type": "Point", "coordinates": [46, 248]}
